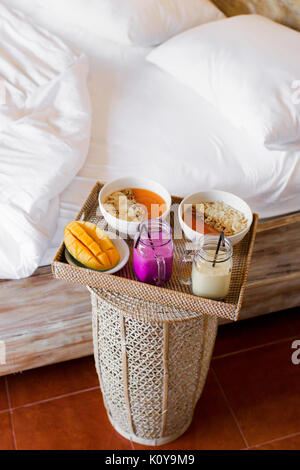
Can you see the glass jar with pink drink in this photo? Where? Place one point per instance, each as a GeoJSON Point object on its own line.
{"type": "Point", "coordinates": [153, 252]}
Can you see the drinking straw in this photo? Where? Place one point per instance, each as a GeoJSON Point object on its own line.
{"type": "Point", "coordinates": [148, 235]}
{"type": "Point", "coordinates": [221, 239]}
{"type": "Point", "coordinates": [139, 237]}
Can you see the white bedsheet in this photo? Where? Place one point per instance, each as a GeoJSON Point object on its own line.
{"type": "Point", "coordinates": [146, 123]}
{"type": "Point", "coordinates": [44, 137]}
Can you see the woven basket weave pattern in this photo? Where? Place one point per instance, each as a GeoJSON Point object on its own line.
{"type": "Point", "coordinates": [151, 373]}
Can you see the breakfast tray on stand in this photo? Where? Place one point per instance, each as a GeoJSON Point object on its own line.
{"type": "Point", "coordinates": [153, 345]}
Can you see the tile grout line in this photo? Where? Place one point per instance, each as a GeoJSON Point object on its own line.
{"type": "Point", "coordinates": [239, 351]}
{"type": "Point", "coordinates": [230, 408]}
{"type": "Point", "coordinates": [10, 414]}
{"type": "Point", "coordinates": [278, 439]}
{"type": "Point", "coordinates": [57, 397]}
{"type": "Point", "coordinates": [27, 405]}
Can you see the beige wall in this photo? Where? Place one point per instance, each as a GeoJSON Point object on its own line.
{"type": "Point", "coordinates": [283, 11]}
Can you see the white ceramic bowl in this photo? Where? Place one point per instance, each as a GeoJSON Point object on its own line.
{"type": "Point", "coordinates": [123, 226]}
{"type": "Point", "coordinates": [212, 196]}
{"type": "Point", "coordinates": [122, 248]}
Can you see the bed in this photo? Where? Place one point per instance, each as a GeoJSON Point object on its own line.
{"type": "Point", "coordinates": [45, 321]}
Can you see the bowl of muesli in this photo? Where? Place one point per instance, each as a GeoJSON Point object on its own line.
{"type": "Point", "coordinates": [126, 202]}
{"type": "Point", "coordinates": [214, 212]}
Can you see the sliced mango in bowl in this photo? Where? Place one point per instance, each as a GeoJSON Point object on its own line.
{"type": "Point", "coordinates": [89, 245]}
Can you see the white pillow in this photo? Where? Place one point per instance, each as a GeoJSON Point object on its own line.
{"type": "Point", "coordinates": [139, 22]}
{"type": "Point", "coordinates": [248, 67]}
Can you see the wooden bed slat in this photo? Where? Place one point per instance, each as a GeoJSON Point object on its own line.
{"type": "Point", "coordinates": [43, 321]}
{"type": "Point", "coordinates": [277, 250]}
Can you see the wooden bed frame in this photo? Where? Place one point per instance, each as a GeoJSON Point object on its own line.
{"type": "Point", "coordinates": [44, 321]}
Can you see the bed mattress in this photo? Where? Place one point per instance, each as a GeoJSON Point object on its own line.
{"type": "Point", "coordinates": [147, 123]}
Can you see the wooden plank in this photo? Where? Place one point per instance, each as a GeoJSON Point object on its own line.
{"type": "Point", "coordinates": [277, 251]}
{"type": "Point", "coordinates": [43, 321]}
{"type": "Point", "coordinates": [284, 11]}
{"type": "Point", "coordinates": [274, 275]}
{"type": "Point", "coordinates": [278, 222]}
{"type": "Point", "coordinates": [267, 297]}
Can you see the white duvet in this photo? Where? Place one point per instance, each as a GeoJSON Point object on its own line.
{"type": "Point", "coordinates": [44, 137]}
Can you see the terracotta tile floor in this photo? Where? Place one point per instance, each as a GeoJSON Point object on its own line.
{"type": "Point", "coordinates": [251, 398]}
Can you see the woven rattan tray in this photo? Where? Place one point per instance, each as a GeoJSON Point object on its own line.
{"type": "Point", "coordinates": [174, 295]}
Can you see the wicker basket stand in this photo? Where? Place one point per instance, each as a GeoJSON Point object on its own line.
{"type": "Point", "coordinates": [151, 373]}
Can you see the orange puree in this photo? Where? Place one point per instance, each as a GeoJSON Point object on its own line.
{"type": "Point", "coordinates": [193, 225]}
{"type": "Point", "coordinates": [155, 204]}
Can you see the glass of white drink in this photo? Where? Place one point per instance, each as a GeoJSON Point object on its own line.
{"type": "Point", "coordinates": [211, 274]}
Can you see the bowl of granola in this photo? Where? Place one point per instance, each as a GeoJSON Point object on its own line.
{"type": "Point", "coordinates": [214, 212]}
{"type": "Point", "coordinates": [128, 201]}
